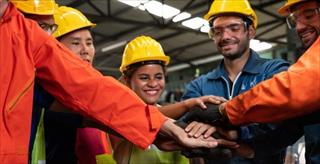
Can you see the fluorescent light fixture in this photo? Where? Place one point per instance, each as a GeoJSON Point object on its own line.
{"type": "Point", "coordinates": [181, 16]}
{"type": "Point", "coordinates": [257, 45]}
{"type": "Point", "coordinates": [161, 10]}
{"type": "Point", "coordinates": [114, 46]}
{"type": "Point", "coordinates": [207, 59]}
{"type": "Point", "coordinates": [205, 29]}
{"type": "Point", "coordinates": [169, 12]}
{"type": "Point", "coordinates": [141, 7]}
{"type": "Point", "coordinates": [177, 67]}
{"type": "Point", "coordinates": [195, 62]}
{"type": "Point", "coordinates": [133, 3]}
{"type": "Point", "coordinates": [194, 23]}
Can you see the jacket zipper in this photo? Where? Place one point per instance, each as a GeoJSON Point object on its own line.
{"type": "Point", "coordinates": [232, 89]}
{"type": "Point", "coordinates": [14, 102]}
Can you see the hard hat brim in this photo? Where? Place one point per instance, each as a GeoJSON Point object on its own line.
{"type": "Point", "coordinates": [165, 59]}
{"type": "Point", "coordinates": [284, 10]}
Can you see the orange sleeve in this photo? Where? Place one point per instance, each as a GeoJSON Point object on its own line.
{"type": "Point", "coordinates": [81, 88]}
{"type": "Point", "coordinates": [288, 94]}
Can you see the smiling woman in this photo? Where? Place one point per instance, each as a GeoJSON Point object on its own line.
{"type": "Point", "coordinates": [143, 68]}
{"type": "Point", "coordinates": [143, 71]}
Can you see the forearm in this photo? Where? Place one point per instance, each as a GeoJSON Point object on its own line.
{"type": "Point", "coordinates": [107, 101]}
{"type": "Point", "coordinates": [288, 94]}
{"type": "Point", "coordinates": [174, 111]}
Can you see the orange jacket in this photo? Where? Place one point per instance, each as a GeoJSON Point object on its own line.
{"type": "Point", "coordinates": [26, 53]}
{"type": "Point", "coordinates": [288, 94]}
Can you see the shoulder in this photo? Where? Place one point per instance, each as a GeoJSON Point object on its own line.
{"type": "Point", "coordinates": [271, 64]}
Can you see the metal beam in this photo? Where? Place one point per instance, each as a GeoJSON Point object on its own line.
{"type": "Point", "coordinates": [97, 9]}
{"type": "Point", "coordinates": [76, 3]}
{"type": "Point", "coordinates": [189, 46]}
{"type": "Point", "coordinates": [270, 29]}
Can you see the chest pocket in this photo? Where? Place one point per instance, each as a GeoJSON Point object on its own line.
{"type": "Point", "coordinates": [251, 81]}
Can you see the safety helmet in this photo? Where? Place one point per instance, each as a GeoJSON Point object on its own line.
{"type": "Point", "coordinates": [142, 48]}
{"type": "Point", "coordinates": [284, 10]}
{"type": "Point", "coordinates": [69, 19]}
{"type": "Point", "coordinates": [241, 7]}
{"type": "Point", "coordinates": [37, 7]}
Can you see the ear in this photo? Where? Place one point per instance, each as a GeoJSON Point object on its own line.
{"type": "Point", "coordinates": [252, 32]}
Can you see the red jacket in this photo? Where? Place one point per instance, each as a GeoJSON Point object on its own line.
{"type": "Point", "coordinates": [26, 53]}
{"type": "Point", "coordinates": [288, 94]}
{"type": "Point", "coordinates": [90, 143]}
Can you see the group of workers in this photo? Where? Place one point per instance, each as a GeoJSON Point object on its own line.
{"type": "Point", "coordinates": [54, 107]}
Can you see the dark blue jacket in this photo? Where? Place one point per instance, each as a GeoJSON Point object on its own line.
{"type": "Point", "coordinates": [60, 129]}
{"type": "Point", "coordinates": [217, 83]}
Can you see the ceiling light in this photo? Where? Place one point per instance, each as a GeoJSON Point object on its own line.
{"type": "Point", "coordinates": [181, 16]}
{"type": "Point", "coordinates": [141, 7]}
{"type": "Point", "coordinates": [114, 46]}
{"type": "Point", "coordinates": [161, 10]}
{"type": "Point", "coordinates": [177, 67]}
{"type": "Point", "coordinates": [133, 3]}
{"type": "Point", "coordinates": [194, 23]}
{"type": "Point", "coordinates": [212, 58]}
{"type": "Point", "coordinates": [257, 45]}
{"type": "Point", "coordinates": [205, 29]}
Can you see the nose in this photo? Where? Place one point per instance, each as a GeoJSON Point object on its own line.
{"type": "Point", "coordinates": [84, 49]}
{"type": "Point", "coordinates": [225, 35]}
{"type": "Point", "coordinates": [300, 26]}
{"type": "Point", "coordinates": [152, 83]}
{"type": "Point", "coordinates": [84, 52]}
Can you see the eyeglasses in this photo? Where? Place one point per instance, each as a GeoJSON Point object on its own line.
{"type": "Point", "coordinates": [306, 17]}
{"type": "Point", "coordinates": [234, 28]}
{"type": "Point", "coordinates": [50, 28]}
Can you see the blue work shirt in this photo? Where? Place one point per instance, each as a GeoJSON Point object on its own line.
{"type": "Point", "coordinates": [217, 83]}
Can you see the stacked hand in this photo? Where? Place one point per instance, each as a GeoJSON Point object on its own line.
{"type": "Point", "coordinates": [204, 132]}
{"type": "Point", "coordinates": [197, 129]}
{"type": "Point", "coordinates": [173, 137]}
{"type": "Point", "coordinates": [212, 115]}
{"type": "Point", "coordinates": [207, 120]}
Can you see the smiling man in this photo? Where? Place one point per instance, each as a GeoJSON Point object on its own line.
{"type": "Point", "coordinates": [233, 24]}
{"type": "Point", "coordinates": [27, 52]}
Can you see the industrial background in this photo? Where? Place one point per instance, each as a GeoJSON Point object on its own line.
{"type": "Point", "coordinates": [182, 32]}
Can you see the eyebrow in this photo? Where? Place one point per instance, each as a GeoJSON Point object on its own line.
{"type": "Point", "coordinates": [78, 38]}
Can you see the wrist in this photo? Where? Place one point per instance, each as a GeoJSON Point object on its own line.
{"type": "Point", "coordinates": [222, 110]}
{"type": "Point", "coordinates": [186, 104]}
{"type": "Point", "coordinates": [167, 128]}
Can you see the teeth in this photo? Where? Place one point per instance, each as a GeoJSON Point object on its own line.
{"type": "Point", "coordinates": [306, 34]}
{"type": "Point", "coordinates": [152, 92]}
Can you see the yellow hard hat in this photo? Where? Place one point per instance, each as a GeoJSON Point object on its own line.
{"type": "Point", "coordinates": [232, 6]}
{"type": "Point", "coordinates": [142, 48]}
{"type": "Point", "coordinates": [37, 7]}
{"type": "Point", "coordinates": [284, 10]}
{"type": "Point", "coordinates": [69, 19]}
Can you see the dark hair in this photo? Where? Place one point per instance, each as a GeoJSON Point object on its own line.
{"type": "Point", "coordinates": [246, 19]}
{"type": "Point", "coordinates": [133, 67]}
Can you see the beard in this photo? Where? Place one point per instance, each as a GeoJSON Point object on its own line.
{"type": "Point", "coordinates": [242, 46]}
{"type": "Point", "coordinates": [306, 38]}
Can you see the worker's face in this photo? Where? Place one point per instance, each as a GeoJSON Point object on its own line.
{"type": "Point", "coordinates": [231, 36]}
{"type": "Point", "coordinates": [148, 82]}
{"type": "Point", "coordinates": [46, 22]}
{"type": "Point", "coordinates": [80, 42]}
{"type": "Point", "coordinates": [306, 19]}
